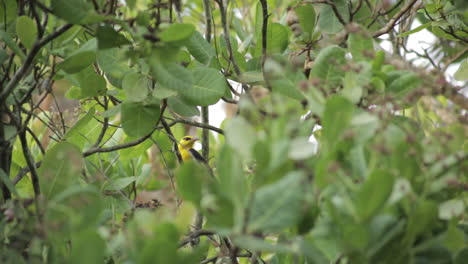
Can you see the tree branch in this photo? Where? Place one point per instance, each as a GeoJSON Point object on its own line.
{"type": "Point", "coordinates": [28, 62]}
{"type": "Point", "coordinates": [391, 23]}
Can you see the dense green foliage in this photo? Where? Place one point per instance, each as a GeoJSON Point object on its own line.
{"type": "Point", "coordinates": [387, 183]}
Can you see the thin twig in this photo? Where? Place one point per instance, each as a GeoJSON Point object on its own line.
{"type": "Point", "coordinates": [28, 62]}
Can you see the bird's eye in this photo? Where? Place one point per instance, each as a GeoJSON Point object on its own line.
{"type": "Point", "coordinates": [186, 139]}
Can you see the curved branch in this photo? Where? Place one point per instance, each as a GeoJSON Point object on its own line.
{"type": "Point", "coordinates": [391, 23]}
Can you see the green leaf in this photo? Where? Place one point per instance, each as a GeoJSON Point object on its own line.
{"type": "Point", "coordinates": [200, 49]}
{"type": "Point", "coordinates": [120, 183]}
{"type": "Point", "coordinates": [91, 83]}
{"type": "Point", "coordinates": [161, 247]}
{"type": "Point", "coordinates": [80, 124]}
{"type": "Point", "coordinates": [8, 11]}
{"type": "Point", "coordinates": [287, 83]}
{"type": "Point", "coordinates": [5, 37]}
{"type": "Point", "coordinates": [80, 59]}
{"type": "Point", "coordinates": [417, 29]}
{"type": "Point", "coordinates": [139, 119]}
{"type": "Point", "coordinates": [241, 136]}
{"type": "Point", "coordinates": [374, 193]}
{"type": "Point", "coordinates": [181, 107]}
{"type": "Point", "coordinates": [462, 73]}
{"type": "Point", "coordinates": [88, 247]}
{"type": "Point", "coordinates": [327, 66]}
{"type": "Point", "coordinates": [454, 238]}
{"type": "Point", "coordinates": [114, 63]}
{"type": "Point", "coordinates": [360, 46]}
{"type": "Point", "coordinates": [403, 84]}
{"type": "Point", "coordinates": [26, 31]}
{"type": "Point", "coordinates": [73, 11]}
{"type": "Point", "coordinates": [3, 56]}
{"type": "Point", "coordinates": [160, 92]}
{"type": "Point", "coordinates": [61, 166]}
{"type": "Point", "coordinates": [336, 118]}
{"type": "Point", "coordinates": [209, 86]}
{"type": "Point", "coordinates": [135, 86]}
{"type": "Point", "coordinates": [328, 21]}
{"type": "Point", "coordinates": [232, 182]}
{"type": "Point", "coordinates": [177, 32]}
{"type": "Point", "coordinates": [189, 180]}
{"type": "Point", "coordinates": [307, 18]}
{"type": "Point", "coordinates": [277, 39]}
{"type": "Point", "coordinates": [7, 182]}
{"type": "Point", "coordinates": [172, 76]}
{"type": "Point", "coordinates": [108, 38]}
{"type": "Point", "coordinates": [273, 212]}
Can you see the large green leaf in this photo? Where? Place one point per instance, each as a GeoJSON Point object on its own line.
{"type": "Point", "coordinates": [181, 107]}
{"type": "Point", "coordinates": [26, 31]}
{"type": "Point", "coordinates": [8, 11]}
{"type": "Point", "coordinates": [307, 18]}
{"type": "Point", "coordinates": [80, 59]}
{"type": "Point", "coordinates": [161, 247]}
{"type": "Point", "coordinates": [177, 32]}
{"type": "Point", "coordinates": [360, 46]}
{"type": "Point", "coordinates": [209, 86]}
{"type": "Point", "coordinates": [189, 179]}
{"type": "Point", "coordinates": [328, 21]}
{"type": "Point", "coordinates": [273, 212]}
{"type": "Point", "coordinates": [404, 84]}
{"type": "Point", "coordinates": [88, 247]}
{"type": "Point", "coordinates": [232, 182]}
{"type": "Point", "coordinates": [5, 37]}
{"type": "Point", "coordinates": [241, 136]}
{"type": "Point", "coordinates": [336, 118]}
{"type": "Point", "coordinates": [374, 193]}
{"type": "Point", "coordinates": [61, 166]}
{"type": "Point", "coordinates": [277, 39]}
{"type": "Point", "coordinates": [135, 86]}
{"type": "Point", "coordinates": [77, 128]}
{"type": "Point", "coordinates": [75, 11]}
{"type": "Point", "coordinates": [107, 38]}
{"type": "Point", "coordinates": [172, 76]}
{"type": "Point", "coordinates": [327, 66]}
{"type": "Point", "coordinates": [91, 83]}
{"type": "Point", "coordinates": [200, 49]}
{"type": "Point", "coordinates": [114, 64]}
{"type": "Point", "coordinates": [139, 119]}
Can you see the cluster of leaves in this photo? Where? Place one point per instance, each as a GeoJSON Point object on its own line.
{"type": "Point", "coordinates": [386, 183]}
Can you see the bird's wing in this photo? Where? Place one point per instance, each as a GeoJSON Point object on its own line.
{"type": "Point", "coordinates": [196, 155]}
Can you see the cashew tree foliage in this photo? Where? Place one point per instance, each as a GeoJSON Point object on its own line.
{"type": "Point", "coordinates": [345, 142]}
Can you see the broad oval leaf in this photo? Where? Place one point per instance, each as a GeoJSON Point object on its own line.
{"type": "Point", "coordinates": [135, 86]}
{"type": "Point", "coordinates": [172, 76]}
{"type": "Point", "coordinates": [307, 17]}
{"type": "Point", "coordinates": [139, 119]}
{"type": "Point", "coordinates": [327, 66]}
{"type": "Point", "coordinates": [209, 86]}
{"type": "Point", "coordinates": [26, 30]}
{"type": "Point", "coordinates": [200, 49]}
{"type": "Point", "coordinates": [273, 212]}
{"type": "Point", "coordinates": [177, 32]}
{"type": "Point", "coordinates": [61, 166]}
{"type": "Point", "coordinates": [181, 107]}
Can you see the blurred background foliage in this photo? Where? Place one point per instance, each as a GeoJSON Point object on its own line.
{"type": "Point", "coordinates": [342, 141]}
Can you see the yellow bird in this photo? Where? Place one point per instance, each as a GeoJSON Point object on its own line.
{"type": "Point", "coordinates": [187, 152]}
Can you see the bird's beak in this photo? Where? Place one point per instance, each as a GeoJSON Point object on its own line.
{"type": "Point", "coordinates": [195, 139]}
